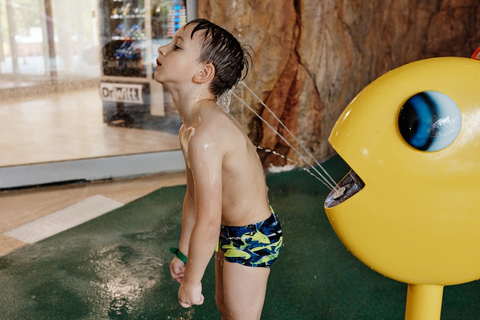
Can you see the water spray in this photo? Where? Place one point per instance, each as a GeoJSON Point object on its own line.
{"type": "Point", "coordinates": [326, 179]}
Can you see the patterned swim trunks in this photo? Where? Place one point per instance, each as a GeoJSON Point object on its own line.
{"type": "Point", "coordinates": [254, 245]}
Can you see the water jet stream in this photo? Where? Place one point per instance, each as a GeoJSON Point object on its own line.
{"type": "Point", "coordinates": [326, 179]}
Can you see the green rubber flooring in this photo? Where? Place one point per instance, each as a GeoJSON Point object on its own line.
{"type": "Point", "coordinates": [117, 267]}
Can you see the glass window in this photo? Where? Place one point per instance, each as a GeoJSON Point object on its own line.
{"type": "Point", "coordinates": [76, 78]}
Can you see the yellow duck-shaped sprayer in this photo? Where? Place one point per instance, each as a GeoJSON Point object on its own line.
{"type": "Point", "coordinates": [410, 207]}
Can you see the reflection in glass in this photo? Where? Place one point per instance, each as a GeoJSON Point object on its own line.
{"type": "Point", "coordinates": [58, 55]}
{"type": "Point", "coordinates": [32, 30]}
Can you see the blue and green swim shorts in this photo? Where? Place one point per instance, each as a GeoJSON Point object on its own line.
{"type": "Point", "coordinates": [254, 245]}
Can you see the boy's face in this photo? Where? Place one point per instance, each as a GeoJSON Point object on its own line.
{"type": "Point", "coordinates": [177, 61]}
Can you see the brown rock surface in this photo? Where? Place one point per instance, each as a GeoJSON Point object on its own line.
{"type": "Point", "coordinates": [312, 57]}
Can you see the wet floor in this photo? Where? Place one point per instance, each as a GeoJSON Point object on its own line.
{"type": "Point", "coordinates": [117, 267]}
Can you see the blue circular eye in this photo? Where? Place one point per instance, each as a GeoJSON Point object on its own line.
{"type": "Point", "coordinates": [429, 121]}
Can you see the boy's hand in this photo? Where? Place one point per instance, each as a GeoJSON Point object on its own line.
{"type": "Point", "coordinates": [177, 269]}
{"type": "Point", "coordinates": [189, 295]}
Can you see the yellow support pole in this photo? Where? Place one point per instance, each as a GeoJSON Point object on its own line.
{"type": "Point", "coordinates": [424, 302]}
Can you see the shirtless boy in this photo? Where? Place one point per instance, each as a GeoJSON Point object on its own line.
{"type": "Point", "coordinates": [226, 201]}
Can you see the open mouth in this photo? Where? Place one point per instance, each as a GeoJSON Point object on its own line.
{"type": "Point", "coordinates": [347, 188]}
{"type": "Point", "coordinates": [158, 63]}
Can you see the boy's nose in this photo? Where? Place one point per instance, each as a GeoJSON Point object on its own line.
{"type": "Point", "coordinates": [161, 50]}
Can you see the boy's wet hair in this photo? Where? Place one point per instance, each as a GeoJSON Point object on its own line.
{"type": "Point", "coordinates": [220, 48]}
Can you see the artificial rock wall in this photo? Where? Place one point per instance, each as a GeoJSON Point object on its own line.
{"type": "Point", "coordinates": [312, 57]}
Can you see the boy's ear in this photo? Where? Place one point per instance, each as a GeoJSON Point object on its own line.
{"type": "Point", "coordinates": [205, 74]}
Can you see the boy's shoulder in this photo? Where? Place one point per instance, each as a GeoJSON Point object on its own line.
{"type": "Point", "coordinates": [215, 129]}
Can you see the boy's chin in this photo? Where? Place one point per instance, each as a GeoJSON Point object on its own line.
{"type": "Point", "coordinates": [157, 78]}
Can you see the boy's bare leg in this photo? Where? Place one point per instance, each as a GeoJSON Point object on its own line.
{"type": "Point", "coordinates": [244, 290]}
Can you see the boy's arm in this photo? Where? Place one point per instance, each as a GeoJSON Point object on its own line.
{"type": "Point", "coordinates": [177, 267]}
{"type": "Point", "coordinates": [206, 163]}
{"type": "Point", "coordinates": [188, 213]}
